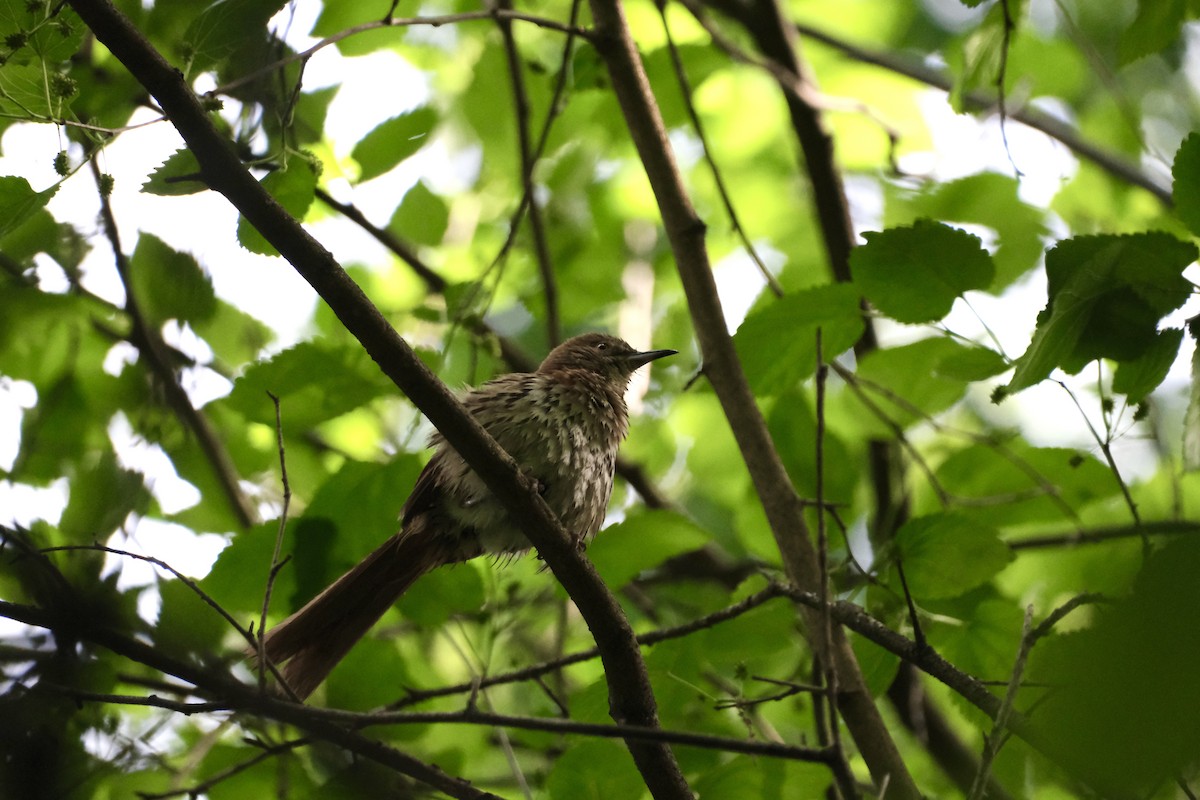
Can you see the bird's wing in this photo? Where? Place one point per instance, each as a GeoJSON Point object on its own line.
{"type": "Point", "coordinates": [426, 493]}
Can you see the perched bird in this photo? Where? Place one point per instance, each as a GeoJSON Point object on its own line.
{"type": "Point", "coordinates": [562, 424]}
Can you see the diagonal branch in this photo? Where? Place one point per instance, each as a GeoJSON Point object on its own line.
{"type": "Point", "coordinates": [775, 491]}
{"type": "Point", "coordinates": [631, 698]}
{"type": "Point", "coordinates": [146, 339]}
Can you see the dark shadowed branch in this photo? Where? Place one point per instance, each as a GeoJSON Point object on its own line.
{"type": "Point", "coordinates": [630, 695]}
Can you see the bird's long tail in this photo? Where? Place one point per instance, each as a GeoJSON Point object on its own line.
{"type": "Point", "coordinates": [312, 641]}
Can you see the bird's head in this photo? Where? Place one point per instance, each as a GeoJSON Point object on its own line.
{"type": "Point", "coordinates": [610, 357]}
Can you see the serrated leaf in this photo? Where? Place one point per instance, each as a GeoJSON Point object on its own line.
{"type": "Point", "coordinates": [1185, 174]}
{"type": "Point", "coordinates": [1157, 26]}
{"type": "Point", "coordinates": [422, 216]}
{"type": "Point", "coordinates": [1106, 296]}
{"type": "Point", "coordinates": [102, 495]}
{"type": "Point", "coordinates": [988, 199]}
{"type": "Point", "coordinates": [1191, 419]}
{"type": "Point", "coordinates": [776, 343]}
{"type": "Point", "coordinates": [914, 274]}
{"type": "Point", "coordinates": [19, 202]}
{"type": "Point", "coordinates": [945, 555]}
{"type": "Point", "coordinates": [41, 233]}
{"type": "Point", "coordinates": [1137, 378]}
{"type": "Point", "coordinates": [178, 175]}
{"type": "Point", "coordinates": [223, 27]}
{"type": "Point", "coordinates": [293, 188]}
{"type": "Point", "coordinates": [393, 140]}
{"type": "Point", "coordinates": [168, 284]}
{"type": "Point", "coordinates": [48, 44]}
{"type": "Point", "coordinates": [642, 541]}
{"type": "Point", "coordinates": [234, 336]}
{"type": "Point", "coordinates": [315, 381]}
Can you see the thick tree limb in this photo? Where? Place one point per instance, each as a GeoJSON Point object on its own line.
{"type": "Point", "coordinates": [631, 698]}
{"type": "Point", "coordinates": [775, 491]}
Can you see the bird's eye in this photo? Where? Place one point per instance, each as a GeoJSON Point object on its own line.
{"type": "Point", "coordinates": [602, 346]}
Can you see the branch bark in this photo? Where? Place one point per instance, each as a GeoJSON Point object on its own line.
{"type": "Point", "coordinates": [631, 699]}
{"type": "Point", "coordinates": [775, 491]}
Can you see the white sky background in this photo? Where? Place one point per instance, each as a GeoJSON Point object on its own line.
{"type": "Point", "coordinates": [270, 289]}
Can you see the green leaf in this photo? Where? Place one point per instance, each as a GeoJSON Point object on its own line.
{"type": "Point", "coordinates": [351, 514]}
{"type": "Point", "coordinates": [41, 233]}
{"type": "Point", "coordinates": [178, 175]}
{"type": "Point", "coordinates": [595, 770]}
{"type": "Point", "coordinates": [1157, 26]}
{"type": "Point", "coordinates": [223, 27]}
{"type": "Point", "coordinates": [44, 44]}
{"type": "Point", "coordinates": [641, 541]}
{"type": "Point", "coordinates": [102, 495]}
{"type": "Point", "coordinates": [887, 378]}
{"type": "Point", "coordinates": [1106, 296]}
{"type": "Point", "coordinates": [186, 623]}
{"type": "Point", "coordinates": [293, 188]}
{"type": "Point", "coordinates": [238, 577]}
{"type": "Point", "coordinates": [443, 593]}
{"type": "Point", "coordinates": [743, 777]}
{"type": "Point", "coordinates": [914, 274]}
{"type": "Point", "coordinates": [793, 426]}
{"type": "Point", "coordinates": [393, 140]}
{"type": "Point", "coordinates": [1019, 484]}
{"type": "Point", "coordinates": [776, 343]}
{"type": "Point", "coordinates": [1128, 678]}
{"type": "Point", "coordinates": [970, 363]}
{"type": "Point", "coordinates": [234, 336]}
{"type": "Point", "coordinates": [422, 216]}
{"type": "Point", "coordinates": [978, 632]}
{"type": "Point", "coordinates": [19, 202]}
{"type": "Point", "coordinates": [314, 381]}
{"type": "Point", "coordinates": [988, 199]}
{"type": "Point", "coordinates": [1186, 182]}
{"type": "Point", "coordinates": [1137, 378]}
{"type": "Point", "coordinates": [168, 284]}
{"type": "Point", "coordinates": [981, 55]}
{"type": "Point", "coordinates": [945, 555]}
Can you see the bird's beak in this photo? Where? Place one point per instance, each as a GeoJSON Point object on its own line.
{"type": "Point", "coordinates": [635, 360]}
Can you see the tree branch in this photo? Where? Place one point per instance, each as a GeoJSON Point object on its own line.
{"type": "Point", "coordinates": [631, 698]}
{"type": "Point", "coordinates": [775, 491]}
{"type": "Point", "coordinates": [1056, 129]}
{"type": "Point", "coordinates": [73, 623]}
{"type": "Point", "coordinates": [149, 343]}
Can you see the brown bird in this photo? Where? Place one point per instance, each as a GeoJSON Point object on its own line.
{"type": "Point", "coordinates": [562, 424]}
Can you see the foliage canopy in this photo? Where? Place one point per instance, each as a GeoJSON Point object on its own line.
{"type": "Point", "coordinates": [994, 501]}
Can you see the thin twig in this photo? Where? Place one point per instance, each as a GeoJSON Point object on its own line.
{"type": "Point", "coordinates": [1075, 537]}
{"type": "Point", "coordinates": [392, 22]}
{"type": "Point", "coordinates": [205, 786]}
{"type": "Point", "coordinates": [208, 600]}
{"type": "Point", "coordinates": [847, 787]}
{"type": "Point", "coordinates": [273, 571]}
{"type": "Point", "coordinates": [1106, 447]}
{"type": "Point", "coordinates": [1001, 75]}
{"type": "Point", "coordinates": [533, 672]}
{"type": "Point", "coordinates": [685, 89]}
{"type": "Point", "coordinates": [995, 739]}
{"type": "Point", "coordinates": [1056, 129]}
{"type": "Point", "coordinates": [521, 102]}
